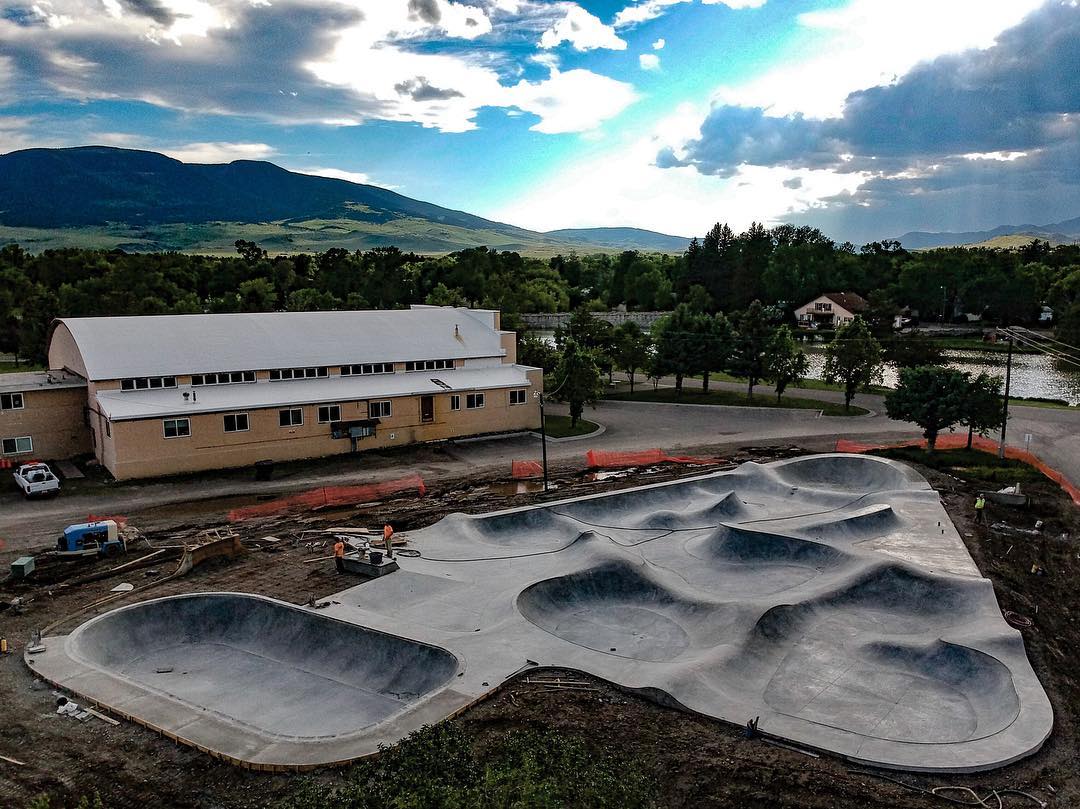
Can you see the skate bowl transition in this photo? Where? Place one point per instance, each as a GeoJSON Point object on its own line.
{"type": "Point", "coordinates": [828, 597]}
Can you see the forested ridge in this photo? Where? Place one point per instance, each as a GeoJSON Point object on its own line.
{"type": "Point", "coordinates": [782, 267]}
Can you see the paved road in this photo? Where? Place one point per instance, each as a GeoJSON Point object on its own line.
{"type": "Point", "coordinates": [630, 426]}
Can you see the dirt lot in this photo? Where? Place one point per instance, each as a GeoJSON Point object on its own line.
{"type": "Point", "coordinates": [698, 762]}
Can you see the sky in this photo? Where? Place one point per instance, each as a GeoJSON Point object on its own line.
{"type": "Point", "coordinates": [866, 118]}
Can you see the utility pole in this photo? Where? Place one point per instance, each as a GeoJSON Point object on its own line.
{"type": "Point", "coordinates": [1005, 407]}
{"type": "Point", "coordinates": [543, 437]}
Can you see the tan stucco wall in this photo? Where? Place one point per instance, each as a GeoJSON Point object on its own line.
{"type": "Point", "coordinates": [64, 353]}
{"type": "Point", "coordinates": [138, 449]}
{"type": "Point", "coordinates": [53, 418]}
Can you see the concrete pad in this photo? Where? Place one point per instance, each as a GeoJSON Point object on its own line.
{"type": "Point", "coordinates": [830, 596]}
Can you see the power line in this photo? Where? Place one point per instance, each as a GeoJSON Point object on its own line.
{"type": "Point", "coordinates": [1035, 335]}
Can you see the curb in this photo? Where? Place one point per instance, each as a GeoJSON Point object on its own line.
{"type": "Point", "coordinates": [600, 430]}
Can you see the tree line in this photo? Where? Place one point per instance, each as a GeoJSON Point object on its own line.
{"type": "Point", "coordinates": [724, 272]}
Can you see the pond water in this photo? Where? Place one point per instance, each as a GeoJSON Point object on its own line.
{"type": "Point", "coordinates": [1032, 374]}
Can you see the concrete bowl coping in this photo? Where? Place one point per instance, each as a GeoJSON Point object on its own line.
{"type": "Point", "coordinates": [829, 597]}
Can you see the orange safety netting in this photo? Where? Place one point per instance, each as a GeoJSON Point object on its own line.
{"type": "Point", "coordinates": [600, 459]}
{"type": "Point", "coordinates": [526, 469]}
{"type": "Point", "coordinates": [330, 496]}
{"type": "Point", "coordinates": [981, 443]}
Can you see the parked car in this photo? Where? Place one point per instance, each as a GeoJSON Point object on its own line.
{"type": "Point", "coordinates": [37, 480]}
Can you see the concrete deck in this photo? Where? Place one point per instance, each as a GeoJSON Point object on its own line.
{"type": "Point", "coordinates": [830, 596]}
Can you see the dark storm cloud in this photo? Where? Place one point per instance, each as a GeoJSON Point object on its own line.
{"type": "Point", "coordinates": [254, 67]}
{"type": "Point", "coordinates": [426, 10]}
{"type": "Point", "coordinates": [419, 89]}
{"type": "Point", "coordinates": [151, 9]}
{"type": "Point", "coordinates": [1015, 96]}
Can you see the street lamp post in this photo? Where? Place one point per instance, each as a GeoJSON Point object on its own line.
{"type": "Point", "coordinates": [543, 437]}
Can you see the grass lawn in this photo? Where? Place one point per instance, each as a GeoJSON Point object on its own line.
{"type": "Point", "coordinates": [967, 464]}
{"type": "Point", "coordinates": [22, 367]}
{"type": "Point", "coordinates": [559, 427]}
{"type": "Point", "coordinates": [736, 399]}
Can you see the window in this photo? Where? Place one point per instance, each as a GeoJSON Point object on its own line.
{"type": "Point", "coordinates": [236, 423]}
{"type": "Point", "coordinates": [222, 378]}
{"type": "Point", "coordinates": [429, 365]}
{"type": "Point", "coordinates": [328, 413]}
{"type": "Point", "coordinates": [176, 428]}
{"type": "Point", "coordinates": [17, 446]}
{"type": "Point", "coordinates": [517, 397]}
{"type": "Point", "coordinates": [148, 383]}
{"type": "Point", "coordinates": [474, 401]}
{"type": "Point", "coordinates": [455, 402]}
{"type": "Point", "coordinates": [283, 374]}
{"type": "Point", "coordinates": [368, 368]}
{"type": "Point", "coordinates": [379, 410]}
{"type": "Point", "coordinates": [293, 417]}
{"type": "Point", "coordinates": [11, 401]}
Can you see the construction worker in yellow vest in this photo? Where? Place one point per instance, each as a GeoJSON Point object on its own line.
{"type": "Point", "coordinates": [980, 510]}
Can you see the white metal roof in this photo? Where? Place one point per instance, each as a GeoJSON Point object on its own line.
{"type": "Point", "coordinates": [169, 345]}
{"type": "Point", "coordinates": [128, 405]}
{"type": "Point", "coordinates": [39, 380]}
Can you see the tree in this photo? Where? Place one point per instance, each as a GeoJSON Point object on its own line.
{"type": "Point", "coordinates": [577, 380]}
{"type": "Point", "coordinates": [681, 338]}
{"type": "Point", "coordinates": [913, 350]}
{"type": "Point", "coordinates": [632, 349]}
{"type": "Point", "coordinates": [983, 406]}
{"type": "Point", "coordinates": [749, 355]}
{"type": "Point", "coordinates": [536, 352]}
{"type": "Point", "coordinates": [716, 344]}
{"type": "Point", "coordinates": [38, 311]}
{"type": "Point", "coordinates": [249, 251]}
{"type": "Point", "coordinates": [853, 358]}
{"type": "Point", "coordinates": [786, 363]}
{"type": "Point", "coordinates": [257, 295]}
{"type": "Point", "coordinates": [441, 295]}
{"type": "Point", "coordinates": [311, 300]}
{"type": "Point", "coordinates": [935, 398]}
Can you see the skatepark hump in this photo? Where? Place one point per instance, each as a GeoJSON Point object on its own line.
{"type": "Point", "coordinates": [828, 596]}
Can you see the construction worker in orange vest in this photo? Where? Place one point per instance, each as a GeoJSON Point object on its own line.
{"type": "Point", "coordinates": [388, 536]}
{"type": "Point", "coordinates": [339, 555]}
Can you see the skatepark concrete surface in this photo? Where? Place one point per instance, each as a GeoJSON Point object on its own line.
{"type": "Point", "coordinates": [829, 596]}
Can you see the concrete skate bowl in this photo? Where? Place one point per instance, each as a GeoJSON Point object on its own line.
{"type": "Point", "coordinates": [620, 609]}
{"type": "Point", "coordinates": [847, 472]}
{"type": "Point", "coordinates": [265, 669]}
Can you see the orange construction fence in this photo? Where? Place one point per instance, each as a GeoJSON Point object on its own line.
{"type": "Point", "coordinates": [601, 459]}
{"type": "Point", "coordinates": [981, 443]}
{"type": "Point", "coordinates": [330, 496]}
{"type": "Point", "coordinates": [521, 470]}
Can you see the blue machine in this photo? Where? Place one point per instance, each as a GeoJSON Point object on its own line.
{"type": "Point", "coordinates": [102, 537]}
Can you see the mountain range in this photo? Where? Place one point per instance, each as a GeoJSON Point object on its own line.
{"type": "Point", "coordinates": [1067, 232]}
{"type": "Point", "coordinates": [98, 196]}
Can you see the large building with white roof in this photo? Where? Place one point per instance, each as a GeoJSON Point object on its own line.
{"type": "Point", "coordinates": [169, 394]}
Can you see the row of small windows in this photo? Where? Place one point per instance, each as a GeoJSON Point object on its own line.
{"type": "Point", "coordinates": [222, 378]}
{"type": "Point", "coordinates": [429, 365]}
{"type": "Point", "coordinates": [11, 401]}
{"type": "Point", "coordinates": [280, 374]}
{"type": "Point", "coordinates": [294, 416]}
{"type": "Point", "coordinates": [367, 368]}
{"type": "Point", "coordinates": [17, 446]}
{"type": "Point", "coordinates": [149, 382]}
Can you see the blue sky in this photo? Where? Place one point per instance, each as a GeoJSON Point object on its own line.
{"type": "Point", "coordinates": [867, 118]}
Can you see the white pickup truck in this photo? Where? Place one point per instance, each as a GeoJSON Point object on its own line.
{"type": "Point", "coordinates": [36, 480]}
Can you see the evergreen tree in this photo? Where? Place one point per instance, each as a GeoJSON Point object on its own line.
{"type": "Point", "coordinates": [786, 362]}
{"type": "Point", "coordinates": [750, 349]}
{"type": "Point", "coordinates": [577, 380]}
{"type": "Point", "coordinates": [853, 358]}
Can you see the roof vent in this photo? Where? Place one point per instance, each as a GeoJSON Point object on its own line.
{"type": "Point", "coordinates": [186, 396]}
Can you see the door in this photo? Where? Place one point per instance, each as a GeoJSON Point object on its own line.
{"type": "Point", "coordinates": [427, 409]}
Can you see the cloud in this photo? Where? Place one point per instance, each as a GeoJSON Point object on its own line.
{"type": "Point", "coordinates": [582, 30]}
{"type": "Point", "coordinates": [992, 124]}
{"type": "Point", "coordinates": [649, 61]}
{"type": "Point", "coordinates": [659, 44]}
{"type": "Point", "coordinates": [219, 152]}
{"type": "Point", "coordinates": [341, 174]}
{"type": "Point", "coordinates": [645, 10]}
{"type": "Point", "coordinates": [307, 61]}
